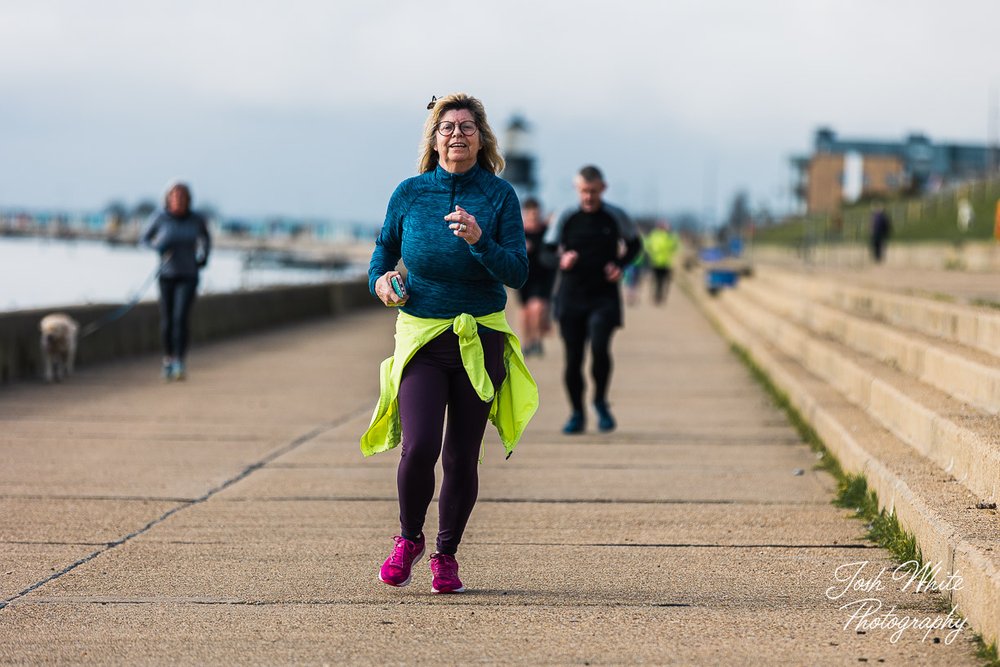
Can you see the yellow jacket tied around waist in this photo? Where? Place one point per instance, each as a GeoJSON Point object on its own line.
{"type": "Point", "coordinates": [514, 403]}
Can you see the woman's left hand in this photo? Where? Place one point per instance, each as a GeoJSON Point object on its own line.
{"type": "Point", "coordinates": [464, 226]}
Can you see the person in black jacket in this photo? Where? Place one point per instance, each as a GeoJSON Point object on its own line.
{"type": "Point", "coordinates": [586, 242]}
{"type": "Point", "coordinates": [881, 231]}
{"type": "Point", "coordinates": [536, 292]}
{"type": "Point", "coordinates": [181, 237]}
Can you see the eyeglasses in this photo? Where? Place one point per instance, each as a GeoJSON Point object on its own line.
{"type": "Point", "coordinates": [466, 127]}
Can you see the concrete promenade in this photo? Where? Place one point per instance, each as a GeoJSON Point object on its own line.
{"type": "Point", "coordinates": [231, 519]}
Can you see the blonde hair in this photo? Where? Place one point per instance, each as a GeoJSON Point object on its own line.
{"type": "Point", "coordinates": [489, 157]}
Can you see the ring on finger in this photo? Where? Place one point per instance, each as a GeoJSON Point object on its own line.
{"type": "Point", "coordinates": [462, 227]}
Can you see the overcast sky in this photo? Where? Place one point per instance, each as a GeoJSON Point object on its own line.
{"type": "Point", "coordinates": [315, 107]}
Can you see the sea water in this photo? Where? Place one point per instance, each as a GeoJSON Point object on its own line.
{"type": "Point", "coordinates": [48, 273]}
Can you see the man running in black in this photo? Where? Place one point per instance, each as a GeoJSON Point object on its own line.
{"type": "Point", "coordinates": [587, 241]}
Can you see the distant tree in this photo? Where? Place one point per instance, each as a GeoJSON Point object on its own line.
{"type": "Point", "coordinates": [144, 209]}
{"type": "Point", "coordinates": [235, 227]}
{"type": "Point", "coordinates": [764, 217]}
{"type": "Point", "coordinates": [114, 217]}
{"type": "Point", "coordinates": [739, 212]}
{"type": "Point", "coordinates": [116, 210]}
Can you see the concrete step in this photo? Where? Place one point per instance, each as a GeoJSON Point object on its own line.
{"type": "Point", "coordinates": [962, 372]}
{"type": "Point", "coordinates": [962, 442]}
{"type": "Point", "coordinates": [929, 503]}
{"type": "Point", "coordinates": [975, 327]}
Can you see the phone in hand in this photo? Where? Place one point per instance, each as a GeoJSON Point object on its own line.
{"type": "Point", "coordinates": [399, 288]}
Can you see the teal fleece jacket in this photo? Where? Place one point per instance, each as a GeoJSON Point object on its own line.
{"type": "Point", "coordinates": [445, 275]}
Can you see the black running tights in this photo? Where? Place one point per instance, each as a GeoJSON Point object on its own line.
{"type": "Point", "coordinates": [433, 380]}
{"type": "Point", "coordinates": [576, 328]}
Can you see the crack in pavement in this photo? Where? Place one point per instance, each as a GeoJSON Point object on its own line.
{"type": "Point", "coordinates": [541, 501]}
{"type": "Point", "coordinates": [56, 544]}
{"type": "Point", "coordinates": [513, 466]}
{"type": "Point", "coordinates": [246, 472]}
{"type": "Point", "coordinates": [151, 499]}
{"type": "Point", "coordinates": [138, 602]}
{"type": "Point", "coordinates": [681, 545]}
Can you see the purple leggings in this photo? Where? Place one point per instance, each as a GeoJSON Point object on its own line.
{"type": "Point", "coordinates": [435, 378]}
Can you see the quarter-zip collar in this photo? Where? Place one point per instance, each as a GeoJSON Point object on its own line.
{"type": "Point", "coordinates": [450, 181]}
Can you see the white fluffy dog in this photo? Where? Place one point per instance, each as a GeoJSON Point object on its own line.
{"type": "Point", "coordinates": [59, 333]}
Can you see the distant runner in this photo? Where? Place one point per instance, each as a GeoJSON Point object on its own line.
{"type": "Point", "coordinates": [587, 241]}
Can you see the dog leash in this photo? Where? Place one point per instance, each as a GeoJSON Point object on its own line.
{"type": "Point", "coordinates": [122, 310]}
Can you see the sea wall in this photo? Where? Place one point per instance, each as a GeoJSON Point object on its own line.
{"type": "Point", "coordinates": [214, 316]}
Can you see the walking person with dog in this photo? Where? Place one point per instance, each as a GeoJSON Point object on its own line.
{"type": "Point", "coordinates": [457, 228]}
{"type": "Point", "coordinates": [182, 239]}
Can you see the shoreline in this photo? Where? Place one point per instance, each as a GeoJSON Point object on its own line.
{"type": "Point", "coordinates": [58, 273]}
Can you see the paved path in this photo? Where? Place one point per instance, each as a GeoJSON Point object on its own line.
{"type": "Point", "coordinates": [231, 519]}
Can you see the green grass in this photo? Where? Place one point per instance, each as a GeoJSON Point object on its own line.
{"type": "Point", "coordinates": [883, 527]}
{"type": "Point", "coordinates": [986, 303]}
{"type": "Point", "coordinates": [802, 427]}
{"type": "Point", "coordinates": [914, 220]}
{"type": "Point", "coordinates": [987, 652]}
{"type": "Point", "coordinates": [934, 296]}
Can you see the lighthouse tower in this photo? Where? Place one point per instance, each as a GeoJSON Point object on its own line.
{"type": "Point", "coordinates": [520, 161]}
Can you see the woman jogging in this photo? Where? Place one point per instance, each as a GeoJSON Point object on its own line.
{"type": "Point", "coordinates": [457, 228]}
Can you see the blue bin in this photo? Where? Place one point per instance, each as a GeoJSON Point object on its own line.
{"type": "Point", "coordinates": [716, 279]}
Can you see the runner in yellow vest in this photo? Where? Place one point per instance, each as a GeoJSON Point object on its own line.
{"type": "Point", "coordinates": [661, 247]}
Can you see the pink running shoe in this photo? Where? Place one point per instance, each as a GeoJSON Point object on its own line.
{"type": "Point", "coordinates": [397, 567]}
{"type": "Point", "coordinates": [445, 571]}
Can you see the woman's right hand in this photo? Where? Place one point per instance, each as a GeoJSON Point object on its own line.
{"type": "Point", "coordinates": [384, 291]}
